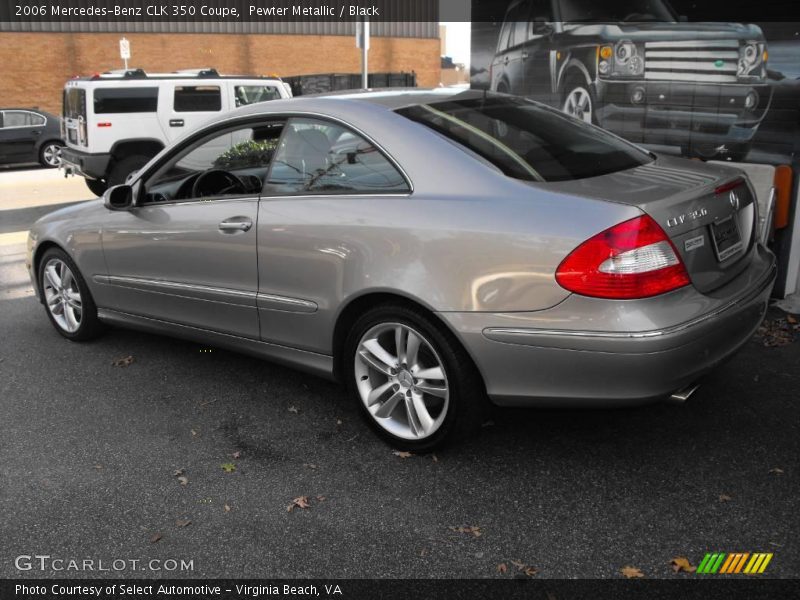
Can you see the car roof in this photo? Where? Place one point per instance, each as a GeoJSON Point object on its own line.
{"type": "Point", "coordinates": [389, 98]}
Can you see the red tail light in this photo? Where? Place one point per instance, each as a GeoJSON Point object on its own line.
{"type": "Point", "coordinates": [634, 259]}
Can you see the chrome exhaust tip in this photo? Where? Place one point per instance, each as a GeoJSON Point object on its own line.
{"type": "Point", "coordinates": [682, 395]}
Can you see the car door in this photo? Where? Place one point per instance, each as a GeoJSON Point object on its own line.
{"type": "Point", "coordinates": [324, 181]}
{"type": "Point", "coordinates": [539, 55]}
{"type": "Point", "coordinates": [514, 35]}
{"type": "Point", "coordinates": [188, 104]}
{"type": "Point", "coordinates": [186, 252]}
{"type": "Point", "coordinates": [20, 132]}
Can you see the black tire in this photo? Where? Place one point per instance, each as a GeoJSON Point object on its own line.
{"type": "Point", "coordinates": [467, 402]}
{"type": "Point", "coordinates": [573, 82]}
{"type": "Point", "coordinates": [502, 88]}
{"type": "Point", "coordinates": [90, 326]}
{"type": "Point", "coordinates": [124, 167]}
{"type": "Point", "coordinates": [97, 186]}
{"type": "Point", "coordinates": [49, 149]}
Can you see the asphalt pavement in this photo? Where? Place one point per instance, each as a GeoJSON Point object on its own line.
{"type": "Point", "coordinates": [195, 454]}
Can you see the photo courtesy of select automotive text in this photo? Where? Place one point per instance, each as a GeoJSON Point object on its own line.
{"type": "Point", "coordinates": [399, 299]}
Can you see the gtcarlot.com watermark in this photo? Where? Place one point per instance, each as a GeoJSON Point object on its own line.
{"type": "Point", "coordinates": [57, 564]}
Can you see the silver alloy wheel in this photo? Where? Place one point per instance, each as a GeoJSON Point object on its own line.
{"type": "Point", "coordinates": [62, 295]}
{"type": "Point", "coordinates": [51, 154]}
{"type": "Point", "coordinates": [579, 104]}
{"type": "Point", "coordinates": [401, 381]}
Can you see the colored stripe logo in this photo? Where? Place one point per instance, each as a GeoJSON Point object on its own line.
{"type": "Point", "coordinates": [734, 562]}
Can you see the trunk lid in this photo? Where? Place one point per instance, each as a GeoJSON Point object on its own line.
{"type": "Point", "coordinates": [708, 211]}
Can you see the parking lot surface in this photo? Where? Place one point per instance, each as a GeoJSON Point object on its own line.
{"type": "Point", "coordinates": [196, 454]}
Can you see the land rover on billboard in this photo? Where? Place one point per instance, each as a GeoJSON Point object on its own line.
{"type": "Point", "coordinates": [639, 70]}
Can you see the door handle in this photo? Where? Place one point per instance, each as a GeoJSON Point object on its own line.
{"type": "Point", "coordinates": [505, 60]}
{"type": "Point", "coordinates": [231, 226]}
{"type": "Point", "coordinates": [524, 55]}
{"type": "Point", "coordinates": [36, 132]}
{"type": "Point", "coordinates": [176, 122]}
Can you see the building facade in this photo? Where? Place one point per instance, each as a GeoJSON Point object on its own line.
{"type": "Point", "coordinates": [38, 58]}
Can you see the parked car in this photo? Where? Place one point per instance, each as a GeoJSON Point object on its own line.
{"type": "Point", "coordinates": [115, 122]}
{"type": "Point", "coordinates": [635, 68]}
{"type": "Point", "coordinates": [29, 135]}
{"type": "Point", "coordinates": [428, 249]}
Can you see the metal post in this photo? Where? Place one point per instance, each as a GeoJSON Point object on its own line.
{"type": "Point", "coordinates": [364, 52]}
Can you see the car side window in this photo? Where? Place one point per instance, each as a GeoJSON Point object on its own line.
{"type": "Point", "coordinates": [541, 16]}
{"type": "Point", "coordinates": [197, 98]}
{"type": "Point", "coordinates": [320, 157]}
{"type": "Point", "coordinates": [251, 94]}
{"type": "Point", "coordinates": [228, 163]}
{"type": "Point", "coordinates": [17, 118]}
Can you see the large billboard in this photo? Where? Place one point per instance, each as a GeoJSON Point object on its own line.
{"type": "Point", "coordinates": [655, 73]}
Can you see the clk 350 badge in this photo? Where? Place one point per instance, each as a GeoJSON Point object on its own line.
{"type": "Point", "coordinates": [684, 218]}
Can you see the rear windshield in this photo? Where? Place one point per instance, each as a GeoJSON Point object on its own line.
{"type": "Point", "coordinates": [74, 103]}
{"type": "Point", "coordinates": [125, 100]}
{"type": "Point", "coordinates": [527, 140]}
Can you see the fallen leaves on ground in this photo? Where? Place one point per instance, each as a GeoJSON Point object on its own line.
{"type": "Point", "coordinates": [155, 537]}
{"type": "Point", "coordinates": [435, 458]}
{"type": "Point", "coordinates": [123, 362]}
{"type": "Point", "coordinates": [472, 529]}
{"type": "Point", "coordinates": [776, 471]}
{"type": "Point", "coordinates": [631, 572]}
{"type": "Point", "coordinates": [227, 508]}
{"type": "Point", "coordinates": [502, 568]}
{"type": "Point", "coordinates": [725, 498]}
{"type": "Point", "coordinates": [178, 472]}
{"type": "Point", "coordinates": [321, 498]}
{"type": "Point", "coordinates": [182, 523]}
{"type": "Point", "coordinates": [294, 409]}
{"type": "Point", "coordinates": [228, 467]}
{"type": "Point", "coordinates": [299, 502]}
{"type": "Point", "coordinates": [183, 480]}
{"type": "Point", "coordinates": [237, 455]}
{"type": "Point", "coordinates": [524, 569]}
{"type": "Point", "coordinates": [681, 563]}
{"type": "Point", "coordinates": [311, 466]}
{"type": "Point", "coordinates": [402, 454]}
{"type": "Point", "coordinates": [779, 331]}
{"type": "Point", "coordinates": [194, 432]}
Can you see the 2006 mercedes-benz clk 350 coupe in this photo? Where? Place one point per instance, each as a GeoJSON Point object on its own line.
{"type": "Point", "coordinates": [430, 249]}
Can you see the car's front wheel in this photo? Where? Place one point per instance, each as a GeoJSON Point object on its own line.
{"type": "Point", "coordinates": [414, 382]}
{"type": "Point", "coordinates": [578, 100]}
{"type": "Point", "coordinates": [69, 304]}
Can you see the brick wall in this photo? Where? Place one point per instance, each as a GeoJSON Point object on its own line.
{"type": "Point", "coordinates": [36, 65]}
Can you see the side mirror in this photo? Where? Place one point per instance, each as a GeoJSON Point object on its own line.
{"type": "Point", "coordinates": [119, 197]}
{"type": "Point", "coordinates": [541, 26]}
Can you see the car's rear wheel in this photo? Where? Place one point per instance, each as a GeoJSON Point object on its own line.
{"type": "Point", "coordinates": [415, 384]}
{"type": "Point", "coordinates": [67, 300]}
{"type": "Point", "coordinates": [578, 100]}
{"type": "Point", "coordinates": [122, 168]}
{"type": "Point", "coordinates": [50, 155]}
{"type": "Point", "coordinates": [97, 186]}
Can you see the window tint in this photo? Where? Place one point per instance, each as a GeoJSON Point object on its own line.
{"type": "Point", "coordinates": [74, 103]}
{"type": "Point", "coordinates": [232, 163]}
{"type": "Point", "coordinates": [199, 98]}
{"type": "Point", "coordinates": [124, 100]}
{"type": "Point", "coordinates": [527, 140]}
{"type": "Point", "coordinates": [21, 118]}
{"type": "Point", "coordinates": [251, 94]}
{"type": "Point", "coordinates": [319, 157]}
{"type": "Point", "coordinates": [541, 13]}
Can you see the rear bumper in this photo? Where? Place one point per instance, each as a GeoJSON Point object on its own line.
{"type": "Point", "coordinates": [676, 113]}
{"type": "Point", "coordinates": [93, 166]}
{"type": "Point", "coordinates": [531, 359]}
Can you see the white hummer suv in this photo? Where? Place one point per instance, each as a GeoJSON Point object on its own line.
{"type": "Point", "coordinates": [117, 121]}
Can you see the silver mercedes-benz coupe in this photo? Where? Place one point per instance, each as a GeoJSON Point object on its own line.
{"type": "Point", "coordinates": [429, 249]}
